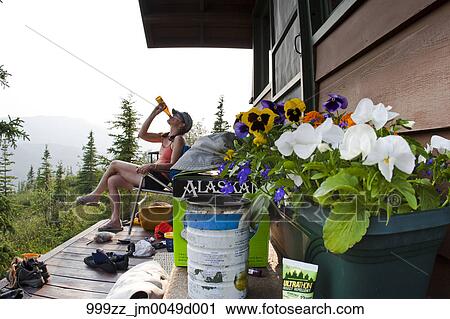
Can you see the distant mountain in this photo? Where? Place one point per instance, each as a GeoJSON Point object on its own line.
{"type": "Point", "coordinates": [66, 131]}
{"type": "Point", "coordinates": [65, 138]}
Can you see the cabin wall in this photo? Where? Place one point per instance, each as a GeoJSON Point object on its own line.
{"type": "Point", "coordinates": [396, 54]}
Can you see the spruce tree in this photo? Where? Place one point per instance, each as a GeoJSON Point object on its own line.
{"type": "Point", "coordinates": [44, 178]}
{"type": "Point", "coordinates": [30, 179]}
{"type": "Point", "coordinates": [87, 176]}
{"type": "Point", "coordinates": [125, 144]}
{"type": "Point", "coordinates": [220, 125]}
{"type": "Point", "coordinates": [59, 189]}
{"type": "Point", "coordinates": [6, 185]}
{"type": "Point", "coordinates": [4, 77]}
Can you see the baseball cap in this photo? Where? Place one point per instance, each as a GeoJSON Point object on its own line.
{"type": "Point", "coordinates": [186, 119]}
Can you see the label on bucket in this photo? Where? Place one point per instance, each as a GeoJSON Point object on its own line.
{"type": "Point", "coordinates": [213, 239]}
{"type": "Point", "coordinates": [219, 258]}
{"type": "Point", "coordinates": [237, 289]}
{"type": "Point", "coordinates": [210, 274]}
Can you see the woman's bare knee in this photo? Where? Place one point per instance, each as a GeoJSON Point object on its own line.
{"type": "Point", "coordinates": [114, 181]}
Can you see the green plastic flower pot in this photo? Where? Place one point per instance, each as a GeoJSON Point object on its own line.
{"type": "Point", "coordinates": [391, 261]}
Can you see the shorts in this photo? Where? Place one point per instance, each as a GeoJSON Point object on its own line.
{"type": "Point", "coordinates": [150, 183]}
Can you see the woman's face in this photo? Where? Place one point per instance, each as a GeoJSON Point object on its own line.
{"type": "Point", "coordinates": [175, 121]}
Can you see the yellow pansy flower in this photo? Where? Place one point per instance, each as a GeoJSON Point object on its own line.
{"type": "Point", "coordinates": [259, 121]}
{"type": "Point", "coordinates": [294, 110]}
{"type": "Point", "coordinates": [259, 139]}
{"type": "Point", "coordinates": [229, 155]}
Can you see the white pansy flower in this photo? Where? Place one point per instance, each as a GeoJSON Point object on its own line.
{"type": "Point", "coordinates": [285, 143]}
{"type": "Point", "coordinates": [324, 147]}
{"type": "Point", "coordinates": [390, 151]}
{"type": "Point", "coordinates": [305, 139]}
{"type": "Point", "coordinates": [298, 180]}
{"type": "Point", "coordinates": [441, 144]}
{"type": "Point", "coordinates": [331, 133]}
{"type": "Point", "coordinates": [358, 139]}
{"type": "Point", "coordinates": [422, 159]}
{"type": "Point", "coordinates": [378, 114]}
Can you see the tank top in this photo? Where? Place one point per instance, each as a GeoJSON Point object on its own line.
{"type": "Point", "coordinates": [165, 156]}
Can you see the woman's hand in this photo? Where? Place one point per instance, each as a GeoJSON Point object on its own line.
{"type": "Point", "coordinates": [145, 169]}
{"type": "Point", "coordinates": [158, 109]}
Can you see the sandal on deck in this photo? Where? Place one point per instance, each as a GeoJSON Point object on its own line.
{"type": "Point", "coordinates": [11, 293]}
{"type": "Point", "coordinates": [100, 260]}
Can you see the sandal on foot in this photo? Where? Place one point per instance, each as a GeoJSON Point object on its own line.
{"type": "Point", "coordinates": [109, 228]}
{"type": "Point", "coordinates": [86, 200]}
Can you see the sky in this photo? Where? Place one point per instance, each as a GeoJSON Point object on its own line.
{"type": "Point", "coordinates": [109, 35]}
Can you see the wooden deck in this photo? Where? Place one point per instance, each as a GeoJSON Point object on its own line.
{"type": "Point", "coordinates": [70, 278]}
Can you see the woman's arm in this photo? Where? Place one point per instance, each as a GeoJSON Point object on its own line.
{"type": "Point", "coordinates": [177, 149]}
{"type": "Point", "coordinates": [148, 136]}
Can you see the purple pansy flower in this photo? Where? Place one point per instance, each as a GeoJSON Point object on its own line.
{"type": "Point", "coordinates": [265, 172]}
{"type": "Point", "coordinates": [240, 129]}
{"type": "Point", "coordinates": [343, 125]}
{"type": "Point", "coordinates": [430, 161]}
{"type": "Point", "coordinates": [279, 195]}
{"type": "Point", "coordinates": [277, 108]}
{"type": "Point", "coordinates": [231, 165]}
{"type": "Point", "coordinates": [243, 173]}
{"type": "Point", "coordinates": [335, 102]}
{"type": "Point", "coordinates": [221, 167]}
{"type": "Point", "coordinates": [227, 189]}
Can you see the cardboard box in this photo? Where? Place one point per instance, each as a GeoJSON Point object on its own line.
{"type": "Point", "coordinates": [194, 185]}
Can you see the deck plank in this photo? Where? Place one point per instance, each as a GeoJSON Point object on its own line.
{"type": "Point", "coordinates": [67, 293]}
{"type": "Point", "coordinates": [84, 273]}
{"type": "Point", "coordinates": [80, 284]}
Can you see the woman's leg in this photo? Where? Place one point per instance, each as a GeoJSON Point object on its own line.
{"type": "Point", "coordinates": [124, 169]}
{"type": "Point", "coordinates": [114, 183]}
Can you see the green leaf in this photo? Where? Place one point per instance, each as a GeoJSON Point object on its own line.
{"type": "Point", "coordinates": [290, 165]}
{"type": "Point", "coordinates": [428, 197]}
{"type": "Point", "coordinates": [318, 176]}
{"type": "Point", "coordinates": [340, 181]}
{"type": "Point", "coordinates": [346, 225]}
{"type": "Point", "coordinates": [259, 207]}
{"type": "Point", "coordinates": [403, 209]}
{"type": "Point", "coordinates": [406, 189]}
{"type": "Point", "coordinates": [314, 166]}
{"type": "Point", "coordinates": [284, 182]}
{"type": "Point", "coordinates": [356, 171]}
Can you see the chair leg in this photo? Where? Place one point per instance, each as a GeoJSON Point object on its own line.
{"type": "Point", "coordinates": [135, 207]}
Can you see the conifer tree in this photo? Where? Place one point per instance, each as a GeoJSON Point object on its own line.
{"type": "Point", "coordinates": [87, 176]}
{"type": "Point", "coordinates": [30, 179]}
{"type": "Point", "coordinates": [6, 185]}
{"type": "Point", "coordinates": [59, 190]}
{"type": "Point", "coordinates": [220, 125]}
{"type": "Point", "coordinates": [44, 178]}
{"type": "Point", "coordinates": [125, 144]}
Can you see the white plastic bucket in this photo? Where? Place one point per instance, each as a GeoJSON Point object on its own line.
{"type": "Point", "coordinates": [217, 248]}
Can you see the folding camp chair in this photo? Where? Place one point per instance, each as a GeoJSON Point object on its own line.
{"type": "Point", "coordinates": [167, 190]}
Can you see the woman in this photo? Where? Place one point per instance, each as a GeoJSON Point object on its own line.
{"type": "Point", "coordinates": [125, 175]}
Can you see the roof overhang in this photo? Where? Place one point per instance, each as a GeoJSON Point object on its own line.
{"type": "Point", "coordinates": [198, 23]}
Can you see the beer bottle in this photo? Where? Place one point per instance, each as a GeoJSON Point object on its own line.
{"type": "Point", "coordinates": [166, 108]}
